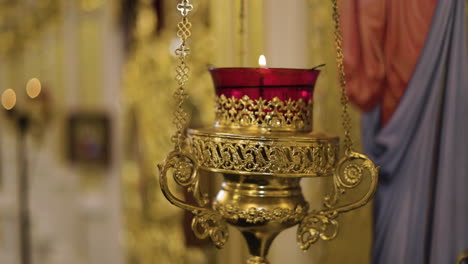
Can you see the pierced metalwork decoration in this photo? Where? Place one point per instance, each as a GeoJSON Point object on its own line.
{"type": "Point", "coordinates": [259, 113]}
{"type": "Point", "coordinates": [286, 157]}
{"type": "Point", "coordinates": [261, 215]}
{"type": "Point", "coordinates": [349, 173]}
{"type": "Point", "coordinates": [208, 223]}
{"type": "Point", "coordinates": [262, 148]}
{"type": "Point", "coordinates": [182, 71]}
{"type": "Point", "coordinates": [184, 170]}
{"type": "Point", "coordinates": [180, 163]}
{"type": "Point", "coordinates": [321, 225]}
{"type": "Point", "coordinates": [185, 7]}
{"type": "Point", "coordinates": [184, 29]}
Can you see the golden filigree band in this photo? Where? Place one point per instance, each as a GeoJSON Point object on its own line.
{"type": "Point", "coordinates": [261, 154]}
{"type": "Point", "coordinates": [261, 215]}
{"type": "Point", "coordinates": [271, 115]}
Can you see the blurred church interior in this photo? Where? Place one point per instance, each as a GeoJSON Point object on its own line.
{"type": "Point", "coordinates": [87, 115]}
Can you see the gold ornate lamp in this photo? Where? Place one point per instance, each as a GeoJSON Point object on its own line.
{"type": "Point", "coordinates": [263, 145]}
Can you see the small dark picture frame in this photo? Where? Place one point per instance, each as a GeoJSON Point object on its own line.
{"type": "Point", "coordinates": [89, 138]}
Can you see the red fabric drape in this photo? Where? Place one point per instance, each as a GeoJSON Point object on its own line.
{"type": "Point", "coordinates": [382, 41]}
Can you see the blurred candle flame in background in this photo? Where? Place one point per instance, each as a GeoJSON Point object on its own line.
{"type": "Point", "coordinates": [33, 88]}
{"type": "Point", "coordinates": [8, 99]}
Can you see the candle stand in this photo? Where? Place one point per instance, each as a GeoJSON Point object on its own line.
{"type": "Point", "coordinates": [30, 117]}
{"type": "Point", "coordinates": [263, 144]}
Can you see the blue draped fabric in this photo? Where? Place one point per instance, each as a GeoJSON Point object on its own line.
{"type": "Point", "coordinates": [421, 205]}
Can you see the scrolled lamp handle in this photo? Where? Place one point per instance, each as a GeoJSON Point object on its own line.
{"type": "Point", "coordinates": [463, 256]}
{"type": "Point", "coordinates": [184, 170]}
{"type": "Point", "coordinates": [349, 173]}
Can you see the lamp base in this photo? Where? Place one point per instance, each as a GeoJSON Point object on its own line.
{"type": "Point", "coordinates": [260, 194]}
{"type": "Point", "coordinates": [260, 207]}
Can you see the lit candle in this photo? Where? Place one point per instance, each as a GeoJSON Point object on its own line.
{"type": "Point", "coordinates": [262, 61]}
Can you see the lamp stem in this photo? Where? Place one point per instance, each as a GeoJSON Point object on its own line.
{"type": "Point", "coordinates": [259, 244]}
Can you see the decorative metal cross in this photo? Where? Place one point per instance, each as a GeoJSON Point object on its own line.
{"type": "Point", "coordinates": [185, 7]}
{"type": "Point", "coordinates": [182, 51]}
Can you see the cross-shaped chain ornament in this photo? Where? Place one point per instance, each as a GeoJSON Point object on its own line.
{"type": "Point", "coordinates": [182, 51]}
{"type": "Point", "coordinates": [185, 7]}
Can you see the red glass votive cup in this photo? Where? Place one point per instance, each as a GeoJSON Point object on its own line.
{"type": "Point", "coordinates": [269, 99]}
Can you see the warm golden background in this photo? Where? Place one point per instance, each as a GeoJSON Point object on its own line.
{"type": "Point", "coordinates": [90, 61]}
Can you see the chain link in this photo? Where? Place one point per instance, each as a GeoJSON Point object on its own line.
{"type": "Point", "coordinates": [184, 32]}
{"type": "Point", "coordinates": [346, 118]}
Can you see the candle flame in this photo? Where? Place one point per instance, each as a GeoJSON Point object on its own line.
{"type": "Point", "coordinates": [262, 61]}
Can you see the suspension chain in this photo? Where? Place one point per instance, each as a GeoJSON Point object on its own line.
{"type": "Point", "coordinates": [184, 32]}
{"type": "Point", "coordinates": [242, 28]}
{"type": "Point", "coordinates": [346, 118]}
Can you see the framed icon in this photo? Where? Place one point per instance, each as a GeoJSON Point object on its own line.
{"type": "Point", "coordinates": [89, 138]}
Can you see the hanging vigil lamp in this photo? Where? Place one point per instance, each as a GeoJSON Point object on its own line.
{"type": "Point", "coordinates": [262, 143]}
